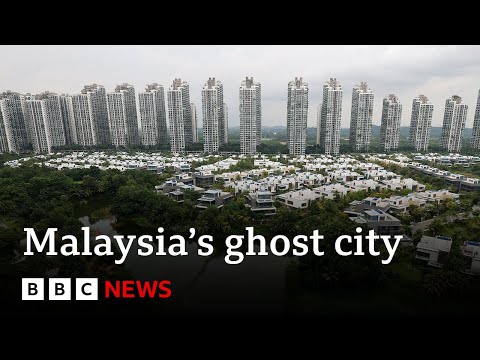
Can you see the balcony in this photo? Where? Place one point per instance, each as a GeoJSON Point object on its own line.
{"type": "Point", "coordinates": [205, 202]}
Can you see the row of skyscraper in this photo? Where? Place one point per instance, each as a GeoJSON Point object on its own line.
{"type": "Point", "coordinates": [329, 120]}
{"type": "Point", "coordinates": [92, 117]}
{"type": "Point", "coordinates": [95, 117]}
{"type": "Point", "coordinates": [329, 115]}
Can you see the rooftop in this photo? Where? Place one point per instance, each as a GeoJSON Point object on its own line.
{"type": "Point", "coordinates": [440, 243]}
{"type": "Point", "coordinates": [212, 191]}
{"type": "Point", "coordinates": [374, 212]}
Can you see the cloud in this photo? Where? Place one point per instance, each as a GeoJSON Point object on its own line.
{"type": "Point", "coordinates": [435, 71]}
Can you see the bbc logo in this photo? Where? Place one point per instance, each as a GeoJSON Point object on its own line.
{"type": "Point", "coordinates": [59, 289]}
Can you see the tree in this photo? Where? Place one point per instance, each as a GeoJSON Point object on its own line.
{"type": "Point", "coordinates": [219, 184]}
{"type": "Point", "coordinates": [243, 165]}
{"type": "Point", "coordinates": [435, 226]}
{"type": "Point", "coordinates": [417, 236]}
{"type": "Point", "coordinates": [89, 185]}
{"type": "Point", "coordinates": [415, 212]}
{"type": "Point", "coordinates": [451, 207]}
{"type": "Point", "coordinates": [407, 229]}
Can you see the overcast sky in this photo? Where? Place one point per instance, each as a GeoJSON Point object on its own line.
{"type": "Point", "coordinates": [435, 71]}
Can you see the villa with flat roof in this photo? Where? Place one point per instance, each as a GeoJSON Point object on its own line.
{"type": "Point", "coordinates": [214, 198]}
{"type": "Point", "coordinates": [299, 199]}
{"type": "Point", "coordinates": [261, 202]}
{"type": "Point", "coordinates": [433, 250]}
{"type": "Point", "coordinates": [204, 179]}
{"type": "Point", "coordinates": [376, 219]}
{"type": "Point", "coordinates": [471, 254]}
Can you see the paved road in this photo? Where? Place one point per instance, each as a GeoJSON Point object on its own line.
{"type": "Point", "coordinates": [422, 225]}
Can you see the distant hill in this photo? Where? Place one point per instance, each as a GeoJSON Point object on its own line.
{"type": "Point", "coordinates": [275, 127]}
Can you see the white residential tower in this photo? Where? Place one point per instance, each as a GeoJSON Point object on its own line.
{"type": "Point", "coordinates": [391, 119]}
{"type": "Point", "coordinates": [225, 114]}
{"type": "Point", "coordinates": [361, 117]}
{"type": "Point", "coordinates": [153, 117]}
{"type": "Point", "coordinates": [44, 115]}
{"type": "Point", "coordinates": [213, 116]}
{"type": "Point", "coordinates": [193, 108]}
{"type": "Point", "coordinates": [122, 116]}
{"type": "Point", "coordinates": [297, 116]}
{"type": "Point", "coordinates": [421, 123]}
{"type": "Point", "coordinates": [454, 120]}
{"type": "Point", "coordinates": [250, 116]}
{"type": "Point", "coordinates": [180, 116]}
{"type": "Point", "coordinates": [475, 140]}
{"type": "Point", "coordinates": [331, 118]}
{"type": "Point", "coordinates": [13, 127]}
